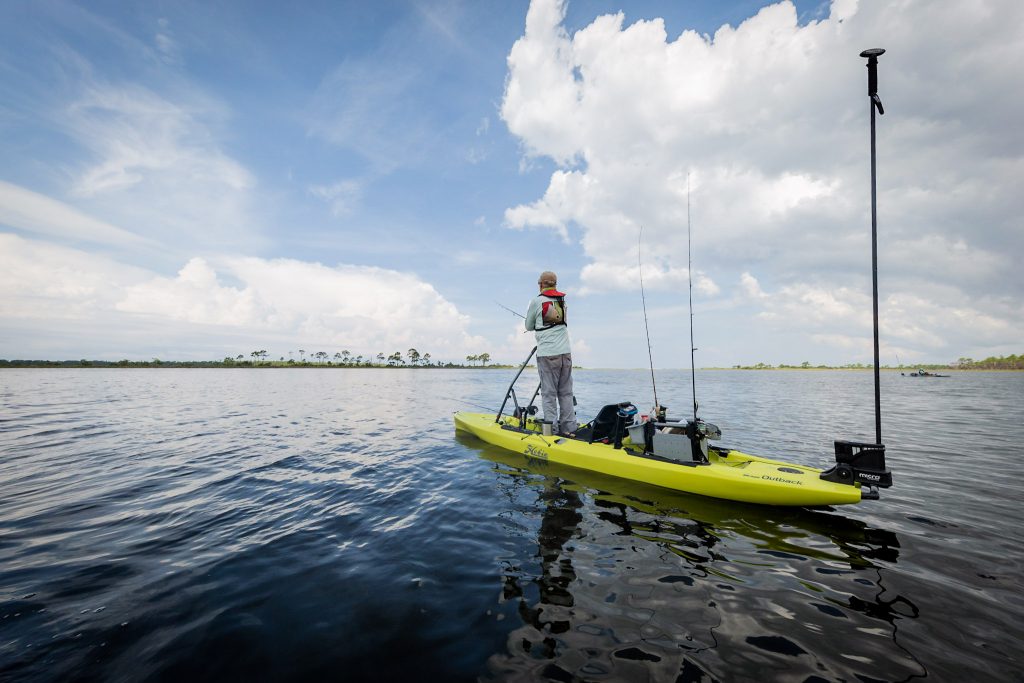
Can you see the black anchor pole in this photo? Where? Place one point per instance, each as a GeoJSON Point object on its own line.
{"type": "Point", "coordinates": [872, 56]}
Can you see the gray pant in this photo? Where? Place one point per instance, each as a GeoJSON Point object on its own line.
{"type": "Point", "coordinates": [556, 391]}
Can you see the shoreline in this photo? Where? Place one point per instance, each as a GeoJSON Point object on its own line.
{"type": "Point", "coordinates": [199, 365]}
{"type": "Point", "coordinates": [275, 365]}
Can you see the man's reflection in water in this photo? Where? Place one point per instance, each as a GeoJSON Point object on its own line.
{"type": "Point", "coordinates": [559, 523]}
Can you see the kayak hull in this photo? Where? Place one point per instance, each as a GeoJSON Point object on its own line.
{"type": "Point", "coordinates": [730, 474]}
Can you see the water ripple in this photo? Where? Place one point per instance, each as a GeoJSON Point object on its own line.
{"type": "Point", "coordinates": [210, 524]}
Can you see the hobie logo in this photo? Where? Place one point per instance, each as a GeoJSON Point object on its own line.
{"type": "Point", "coordinates": [534, 452]}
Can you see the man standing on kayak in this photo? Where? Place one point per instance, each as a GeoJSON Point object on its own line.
{"type": "Point", "coordinates": [546, 318]}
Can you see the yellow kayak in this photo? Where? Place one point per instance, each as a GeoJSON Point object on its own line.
{"type": "Point", "coordinates": [721, 473]}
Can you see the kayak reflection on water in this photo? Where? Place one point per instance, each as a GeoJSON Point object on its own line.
{"type": "Point", "coordinates": [628, 581]}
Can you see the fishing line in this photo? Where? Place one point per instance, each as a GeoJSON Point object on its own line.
{"type": "Point", "coordinates": [512, 312]}
{"type": "Point", "coordinates": [650, 357]}
{"type": "Point", "coordinates": [689, 276]}
{"type": "Point", "coordinates": [470, 403]}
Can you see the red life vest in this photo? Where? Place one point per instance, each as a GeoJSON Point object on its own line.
{"type": "Point", "coordinates": [552, 312]}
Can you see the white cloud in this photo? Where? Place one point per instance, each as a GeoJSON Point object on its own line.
{"type": "Point", "coordinates": [360, 307]}
{"type": "Point", "coordinates": [815, 306]}
{"type": "Point", "coordinates": [555, 209]}
{"type": "Point", "coordinates": [766, 123]}
{"type": "Point", "coordinates": [279, 304]}
{"type": "Point", "coordinates": [195, 296]}
{"type": "Point", "coordinates": [929, 254]}
{"type": "Point", "coordinates": [947, 321]}
{"type": "Point", "coordinates": [155, 163]}
{"type": "Point", "coordinates": [517, 343]}
{"type": "Point", "coordinates": [542, 94]}
{"type": "Point", "coordinates": [602, 277]}
{"type": "Point", "coordinates": [26, 210]}
{"type": "Point", "coordinates": [750, 287]}
{"type": "Point", "coordinates": [41, 281]}
{"type": "Point", "coordinates": [706, 286]}
{"type": "Point", "coordinates": [136, 134]}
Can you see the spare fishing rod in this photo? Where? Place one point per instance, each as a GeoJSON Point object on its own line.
{"type": "Point", "coordinates": [697, 430]}
{"type": "Point", "coordinates": [643, 299]}
{"type": "Point", "coordinates": [689, 276]}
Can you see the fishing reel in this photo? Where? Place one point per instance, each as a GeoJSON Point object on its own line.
{"type": "Point", "coordinates": [626, 411]}
{"type": "Point", "coordinates": [699, 432]}
{"type": "Point", "coordinates": [520, 413]}
{"type": "Point", "coordinates": [703, 430]}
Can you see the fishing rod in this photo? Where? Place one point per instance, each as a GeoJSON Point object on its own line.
{"type": "Point", "coordinates": [689, 276]}
{"type": "Point", "coordinates": [640, 266]}
{"type": "Point", "coordinates": [510, 310]}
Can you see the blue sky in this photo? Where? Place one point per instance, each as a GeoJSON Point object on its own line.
{"type": "Point", "coordinates": [195, 180]}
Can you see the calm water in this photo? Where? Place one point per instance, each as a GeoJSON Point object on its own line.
{"type": "Point", "coordinates": [328, 524]}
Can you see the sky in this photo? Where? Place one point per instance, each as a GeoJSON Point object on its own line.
{"type": "Point", "coordinates": [194, 180]}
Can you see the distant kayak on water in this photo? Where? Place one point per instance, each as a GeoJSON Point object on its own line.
{"type": "Point", "coordinates": [922, 373]}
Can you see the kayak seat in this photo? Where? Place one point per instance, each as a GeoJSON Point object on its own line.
{"type": "Point", "coordinates": [610, 424]}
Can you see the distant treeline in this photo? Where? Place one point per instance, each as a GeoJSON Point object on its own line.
{"type": "Point", "coordinates": [1011, 362]}
{"type": "Point", "coordinates": [395, 360]}
{"type": "Point", "coordinates": [807, 366]}
{"type": "Point", "coordinates": [226, 363]}
{"type": "Point", "coordinates": [413, 358]}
